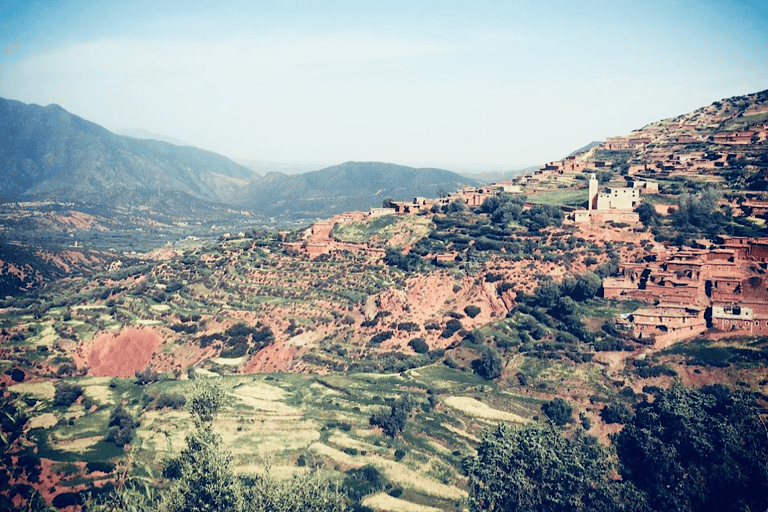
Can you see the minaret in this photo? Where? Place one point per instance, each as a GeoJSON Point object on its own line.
{"type": "Point", "coordinates": [592, 192]}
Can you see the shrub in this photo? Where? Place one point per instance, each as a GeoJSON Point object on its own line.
{"type": "Point", "coordinates": [146, 376]}
{"type": "Point", "coordinates": [419, 346]}
{"type": "Point", "coordinates": [559, 411]}
{"type": "Point", "coordinates": [66, 394]}
{"type": "Point", "coordinates": [616, 413]}
{"type": "Point", "coordinates": [472, 311]}
{"type": "Point", "coordinates": [490, 365]}
{"type": "Point", "coordinates": [392, 422]}
{"type": "Point", "coordinates": [451, 327]}
{"type": "Point", "coordinates": [121, 425]}
{"type": "Point", "coordinates": [381, 337]}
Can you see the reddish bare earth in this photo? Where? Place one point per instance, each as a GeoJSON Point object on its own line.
{"type": "Point", "coordinates": [122, 354]}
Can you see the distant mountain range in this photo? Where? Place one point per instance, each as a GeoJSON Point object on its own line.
{"type": "Point", "coordinates": [347, 187]}
{"type": "Point", "coordinates": [46, 153]}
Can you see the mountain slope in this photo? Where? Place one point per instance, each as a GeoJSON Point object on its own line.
{"type": "Point", "coordinates": [48, 153]}
{"type": "Point", "coordinates": [346, 187]}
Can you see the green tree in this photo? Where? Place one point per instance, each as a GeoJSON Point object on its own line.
{"type": "Point", "coordinates": [392, 421]}
{"type": "Point", "coordinates": [697, 450]}
{"type": "Point", "coordinates": [647, 213]}
{"type": "Point", "coordinates": [205, 480]}
{"type": "Point", "coordinates": [558, 411]}
{"type": "Point", "coordinates": [490, 365]}
{"type": "Point", "coordinates": [537, 469]}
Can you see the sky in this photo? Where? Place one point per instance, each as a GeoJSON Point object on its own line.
{"type": "Point", "coordinates": [481, 85]}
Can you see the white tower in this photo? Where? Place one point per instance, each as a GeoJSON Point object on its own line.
{"type": "Point", "coordinates": [592, 192]}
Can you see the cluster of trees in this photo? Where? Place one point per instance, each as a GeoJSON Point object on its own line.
{"type": "Point", "coordinates": [66, 394]}
{"type": "Point", "coordinates": [121, 425]}
{"type": "Point", "coordinates": [392, 421]}
{"type": "Point", "coordinates": [699, 213]}
{"type": "Point", "coordinates": [504, 209]}
{"type": "Point", "coordinates": [686, 450]}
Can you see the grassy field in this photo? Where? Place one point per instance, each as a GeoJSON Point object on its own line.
{"type": "Point", "coordinates": [275, 420]}
{"type": "Point", "coordinates": [560, 197]}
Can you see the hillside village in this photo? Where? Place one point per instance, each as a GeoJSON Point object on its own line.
{"type": "Point", "coordinates": [718, 286]}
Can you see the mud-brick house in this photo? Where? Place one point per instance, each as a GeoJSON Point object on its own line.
{"type": "Point", "coordinates": [756, 207]}
{"type": "Point", "coordinates": [615, 287]}
{"type": "Point", "coordinates": [668, 322]}
{"type": "Point", "coordinates": [668, 287]}
{"type": "Point", "coordinates": [724, 289]}
{"type": "Point", "coordinates": [750, 318]}
{"type": "Point", "coordinates": [645, 187]}
{"type": "Point", "coordinates": [746, 248]}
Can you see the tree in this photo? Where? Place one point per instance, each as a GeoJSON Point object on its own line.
{"type": "Point", "coordinates": [490, 365]}
{"type": "Point", "coordinates": [146, 376]}
{"type": "Point", "coordinates": [558, 411]}
{"type": "Point", "coordinates": [647, 213]}
{"type": "Point", "coordinates": [66, 394]}
{"type": "Point", "coordinates": [587, 286]}
{"type": "Point", "coordinates": [121, 425]}
{"type": "Point", "coordinates": [392, 422]}
{"type": "Point", "coordinates": [536, 469]}
{"type": "Point", "coordinates": [419, 345]}
{"type": "Point", "coordinates": [697, 450]}
{"type": "Point", "coordinates": [388, 202]}
{"type": "Point", "coordinates": [205, 480]}
{"type": "Point", "coordinates": [541, 216]}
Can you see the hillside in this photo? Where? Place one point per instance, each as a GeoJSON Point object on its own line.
{"type": "Point", "coordinates": [51, 154]}
{"type": "Point", "coordinates": [346, 187]}
{"type": "Point", "coordinates": [375, 349]}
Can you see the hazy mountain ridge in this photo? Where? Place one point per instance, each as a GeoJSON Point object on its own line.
{"type": "Point", "coordinates": [52, 154]}
{"type": "Point", "coordinates": [346, 187]}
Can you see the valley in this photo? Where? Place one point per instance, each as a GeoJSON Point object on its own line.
{"type": "Point", "coordinates": [374, 347]}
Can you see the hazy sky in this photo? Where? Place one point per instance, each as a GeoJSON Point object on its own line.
{"type": "Point", "coordinates": [498, 84]}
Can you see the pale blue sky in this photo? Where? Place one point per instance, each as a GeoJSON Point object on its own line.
{"type": "Point", "coordinates": [460, 85]}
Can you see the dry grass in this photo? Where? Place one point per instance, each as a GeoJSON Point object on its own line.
{"type": "Point", "coordinates": [383, 501]}
{"type": "Point", "coordinates": [462, 433]}
{"type": "Point", "coordinates": [80, 445]}
{"type": "Point", "coordinates": [477, 409]}
{"type": "Point", "coordinates": [229, 361]}
{"type": "Point", "coordinates": [260, 390]}
{"type": "Point", "coordinates": [334, 454]}
{"type": "Point", "coordinates": [46, 420]}
{"type": "Point", "coordinates": [101, 394]}
{"type": "Point", "coordinates": [407, 478]}
{"type": "Point", "coordinates": [42, 390]}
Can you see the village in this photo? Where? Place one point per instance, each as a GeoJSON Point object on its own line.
{"type": "Point", "coordinates": [719, 287]}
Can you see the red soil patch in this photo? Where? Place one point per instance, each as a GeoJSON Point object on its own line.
{"type": "Point", "coordinates": [122, 354]}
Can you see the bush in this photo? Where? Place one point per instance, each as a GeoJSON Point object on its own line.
{"type": "Point", "coordinates": [559, 411]}
{"type": "Point", "coordinates": [392, 422]}
{"type": "Point", "coordinates": [146, 376]}
{"type": "Point", "coordinates": [472, 311]}
{"type": "Point", "coordinates": [490, 365]}
{"type": "Point", "coordinates": [419, 346]}
{"type": "Point", "coordinates": [121, 425]}
{"type": "Point", "coordinates": [381, 337]}
{"type": "Point", "coordinates": [616, 413]}
{"type": "Point", "coordinates": [451, 327]}
{"type": "Point", "coordinates": [67, 394]}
